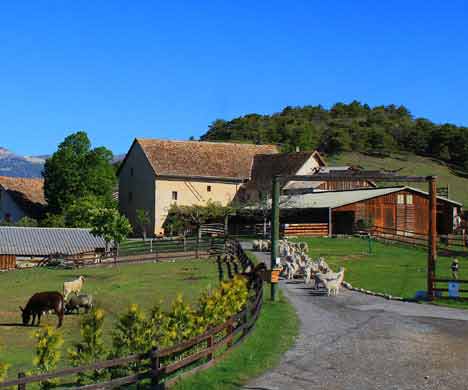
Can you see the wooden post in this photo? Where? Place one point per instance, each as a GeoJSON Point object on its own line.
{"type": "Point", "coordinates": [432, 239]}
{"type": "Point", "coordinates": [274, 229]}
{"type": "Point", "coordinates": [330, 231]}
{"type": "Point", "coordinates": [21, 386]}
{"type": "Point", "coordinates": [209, 345]}
{"type": "Point", "coordinates": [154, 368]}
{"type": "Point", "coordinates": [230, 329]}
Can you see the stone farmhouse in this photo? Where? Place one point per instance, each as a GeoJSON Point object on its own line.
{"type": "Point", "coordinates": [20, 197]}
{"type": "Point", "coordinates": [157, 173]}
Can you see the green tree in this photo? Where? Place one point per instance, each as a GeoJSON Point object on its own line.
{"type": "Point", "coordinates": [76, 170]}
{"type": "Point", "coordinates": [143, 220]}
{"type": "Point", "coordinates": [27, 222]}
{"type": "Point", "coordinates": [111, 226]}
{"type": "Point", "coordinates": [53, 220]}
{"type": "Point", "coordinates": [79, 214]}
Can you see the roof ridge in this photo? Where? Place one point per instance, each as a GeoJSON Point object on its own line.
{"type": "Point", "coordinates": [205, 142]}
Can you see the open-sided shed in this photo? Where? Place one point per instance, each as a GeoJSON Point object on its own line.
{"type": "Point", "coordinates": [403, 209]}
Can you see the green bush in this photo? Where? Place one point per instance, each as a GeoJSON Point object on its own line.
{"type": "Point", "coordinates": [48, 344]}
{"type": "Point", "coordinates": [91, 349]}
{"type": "Point", "coordinates": [3, 368]}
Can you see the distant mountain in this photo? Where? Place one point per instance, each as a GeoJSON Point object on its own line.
{"type": "Point", "coordinates": [12, 164]}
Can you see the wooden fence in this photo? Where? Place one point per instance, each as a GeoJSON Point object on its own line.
{"type": "Point", "coordinates": [7, 262]}
{"type": "Point", "coordinates": [306, 229]}
{"type": "Point", "coordinates": [448, 245]}
{"type": "Point", "coordinates": [163, 367]}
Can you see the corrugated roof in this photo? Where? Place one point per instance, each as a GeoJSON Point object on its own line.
{"type": "Point", "coordinates": [30, 241]}
{"type": "Point", "coordinates": [202, 159]}
{"type": "Point", "coordinates": [333, 199]}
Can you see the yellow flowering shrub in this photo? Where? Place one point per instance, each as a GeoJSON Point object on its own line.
{"type": "Point", "coordinates": [91, 349]}
{"type": "Point", "coordinates": [3, 368]}
{"type": "Point", "coordinates": [48, 344]}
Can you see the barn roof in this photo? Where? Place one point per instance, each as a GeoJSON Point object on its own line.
{"type": "Point", "coordinates": [333, 199]}
{"type": "Point", "coordinates": [27, 192]}
{"type": "Point", "coordinates": [202, 159]}
{"type": "Point", "coordinates": [265, 166]}
{"type": "Point", "coordinates": [32, 241]}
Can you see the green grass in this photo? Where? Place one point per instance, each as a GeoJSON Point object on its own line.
{"type": "Point", "coordinates": [411, 165]}
{"type": "Point", "coordinates": [261, 350]}
{"type": "Point", "coordinates": [391, 269]}
{"type": "Point", "coordinates": [113, 288]}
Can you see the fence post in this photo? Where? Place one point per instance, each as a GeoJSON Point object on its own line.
{"type": "Point", "coordinates": [230, 329]}
{"type": "Point", "coordinates": [155, 368]}
{"type": "Point", "coordinates": [210, 344]}
{"type": "Point", "coordinates": [21, 386]}
{"type": "Point", "coordinates": [244, 321]}
{"type": "Point", "coordinates": [151, 245]}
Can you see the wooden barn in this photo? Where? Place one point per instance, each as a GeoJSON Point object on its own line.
{"type": "Point", "coordinates": [402, 209]}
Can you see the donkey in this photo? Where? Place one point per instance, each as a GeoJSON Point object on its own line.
{"type": "Point", "coordinates": [43, 302]}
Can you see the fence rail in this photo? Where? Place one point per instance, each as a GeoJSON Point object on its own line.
{"type": "Point", "coordinates": [450, 245]}
{"type": "Point", "coordinates": [164, 366]}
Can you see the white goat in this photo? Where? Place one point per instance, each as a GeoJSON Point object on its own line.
{"type": "Point", "coordinates": [72, 286]}
{"type": "Point", "coordinates": [333, 284]}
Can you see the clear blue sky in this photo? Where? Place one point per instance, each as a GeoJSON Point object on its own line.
{"type": "Point", "coordinates": [121, 69]}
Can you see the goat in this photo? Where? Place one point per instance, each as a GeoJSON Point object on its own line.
{"type": "Point", "coordinates": [73, 286]}
{"type": "Point", "coordinates": [333, 284]}
{"type": "Point", "coordinates": [76, 301]}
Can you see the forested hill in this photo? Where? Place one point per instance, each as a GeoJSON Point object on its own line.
{"type": "Point", "coordinates": [355, 127]}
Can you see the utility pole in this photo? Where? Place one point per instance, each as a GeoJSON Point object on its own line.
{"type": "Point", "coordinates": [274, 229]}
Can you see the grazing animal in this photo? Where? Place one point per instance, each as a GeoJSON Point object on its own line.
{"type": "Point", "coordinates": [40, 303]}
{"type": "Point", "coordinates": [333, 284]}
{"type": "Point", "coordinates": [72, 286]}
{"type": "Point", "coordinates": [77, 301]}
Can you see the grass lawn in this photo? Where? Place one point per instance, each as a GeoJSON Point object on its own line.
{"type": "Point", "coordinates": [274, 334]}
{"type": "Point", "coordinates": [392, 269]}
{"type": "Point", "coordinates": [113, 288]}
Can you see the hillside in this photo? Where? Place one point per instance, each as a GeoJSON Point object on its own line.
{"type": "Point", "coordinates": [352, 127]}
{"type": "Point", "coordinates": [411, 165]}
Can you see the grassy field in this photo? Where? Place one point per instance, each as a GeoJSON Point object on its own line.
{"type": "Point", "coordinates": [114, 289]}
{"type": "Point", "coordinates": [262, 350]}
{"type": "Point", "coordinates": [392, 269]}
{"type": "Point", "coordinates": [411, 165]}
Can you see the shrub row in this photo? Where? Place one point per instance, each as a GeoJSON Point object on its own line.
{"type": "Point", "coordinates": [137, 331]}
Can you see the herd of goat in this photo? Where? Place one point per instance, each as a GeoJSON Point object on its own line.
{"type": "Point", "coordinates": [295, 262]}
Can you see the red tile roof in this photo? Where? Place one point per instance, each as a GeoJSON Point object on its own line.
{"type": "Point", "coordinates": [27, 192]}
{"type": "Point", "coordinates": [202, 159]}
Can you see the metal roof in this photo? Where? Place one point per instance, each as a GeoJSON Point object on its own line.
{"type": "Point", "coordinates": [32, 241]}
{"type": "Point", "coordinates": [333, 199]}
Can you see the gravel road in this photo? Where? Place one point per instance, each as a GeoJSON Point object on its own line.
{"type": "Point", "coordinates": [359, 342]}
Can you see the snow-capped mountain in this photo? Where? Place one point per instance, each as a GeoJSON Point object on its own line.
{"type": "Point", "coordinates": [12, 164]}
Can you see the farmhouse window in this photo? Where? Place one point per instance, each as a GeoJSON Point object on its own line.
{"type": "Point", "coordinates": [174, 195]}
{"type": "Point", "coordinates": [208, 188]}
{"type": "Point", "coordinates": [409, 199]}
{"type": "Point", "coordinates": [130, 196]}
{"type": "Point", "coordinates": [131, 171]}
{"type": "Point", "coordinates": [401, 199]}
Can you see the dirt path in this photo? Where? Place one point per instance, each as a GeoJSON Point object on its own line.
{"type": "Point", "coordinates": [361, 342]}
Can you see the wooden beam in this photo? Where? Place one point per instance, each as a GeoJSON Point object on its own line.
{"type": "Point", "coordinates": [432, 239]}
{"type": "Point", "coordinates": [375, 176]}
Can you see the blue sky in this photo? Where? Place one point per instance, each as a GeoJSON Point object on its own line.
{"type": "Point", "coordinates": [121, 69]}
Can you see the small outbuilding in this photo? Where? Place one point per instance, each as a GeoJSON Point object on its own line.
{"type": "Point", "coordinates": [41, 242]}
{"type": "Point", "coordinates": [402, 209]}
